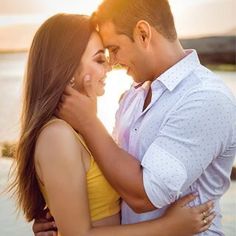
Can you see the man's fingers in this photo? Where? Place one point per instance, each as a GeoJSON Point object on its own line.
{"type": "Point", "coordinates": [59, 110]}
{"type": "Point", "coordinates": [59, 106]}
{"type": "Point", "coordinates": [48, 233]}
{"type": "Point", "coordinates": [63, 98]}
{"type": "Point", "coordinates": [49, 216]}
{"type": "Point", "coordinates": [57, 113]}
{"type": "Point", "coordinates": [43, 226]}
{"type": "Point", "coordinates": [69, 90]}
{"type": "Point", "coordinates": [186, 199]}
{"type": "Point", "coordinates": [89, 86]}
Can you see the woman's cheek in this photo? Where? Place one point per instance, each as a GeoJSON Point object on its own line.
{"type": "Point", "coordinates": [97, 70]}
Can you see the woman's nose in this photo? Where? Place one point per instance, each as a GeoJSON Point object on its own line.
{"type": "Point", "coordinates": [108, 67]}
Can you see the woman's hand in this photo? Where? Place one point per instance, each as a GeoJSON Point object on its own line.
{"type": "Point", "coordinates": [184, 221]}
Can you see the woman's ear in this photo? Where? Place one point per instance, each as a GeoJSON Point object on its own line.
{"type": "Point", "coordinates": [142, 33]}
{"type": "Point", "coordinates": [72, 82]}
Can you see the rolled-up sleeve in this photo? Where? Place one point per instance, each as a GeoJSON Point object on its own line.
{"type": "Point", "coordinates": [190, 138]}
{"type": "Point", "coordinates": [162, 188]}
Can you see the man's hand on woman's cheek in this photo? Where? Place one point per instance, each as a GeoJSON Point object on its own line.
{"type": "Point", "coordinates": [76, 108]}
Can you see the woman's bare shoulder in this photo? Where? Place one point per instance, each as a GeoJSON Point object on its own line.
{"type": "Point", "coordinates": [56, 138]}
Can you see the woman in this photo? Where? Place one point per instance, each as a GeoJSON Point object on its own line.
{"type": "Point", "coordinates": [54, 166]}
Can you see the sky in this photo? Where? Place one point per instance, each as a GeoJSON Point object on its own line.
{"type": "Point", "coordinates": [42, 6]}
{"type": "Point", "coordinates": [204, 16]}
{"type": "Point", "coordinates": [35, 11]}
{"type": "Point", "coordinates": [193, 18]}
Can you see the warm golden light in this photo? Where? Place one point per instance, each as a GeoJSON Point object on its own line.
{"type": "Point", "coordinates": [35, 12]}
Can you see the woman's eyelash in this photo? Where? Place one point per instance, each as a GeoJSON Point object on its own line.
{"type": "Point", "coordinates": [101, 61]}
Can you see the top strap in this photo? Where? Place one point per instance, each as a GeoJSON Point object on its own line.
{"type": "Point", "coordinates": [77, 135]}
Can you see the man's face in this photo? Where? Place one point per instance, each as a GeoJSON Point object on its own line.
{"type": "Point", "coordinates": [123, 51]}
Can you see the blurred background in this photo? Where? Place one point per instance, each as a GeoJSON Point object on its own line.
{"type": "Point", "coordinates": [206, 25]}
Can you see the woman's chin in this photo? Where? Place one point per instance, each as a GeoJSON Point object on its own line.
{"type": "Point", "coordinates": [100, 92]}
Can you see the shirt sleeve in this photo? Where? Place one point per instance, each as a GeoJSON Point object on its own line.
{"type": "Point", "coordinates": [195, 133]}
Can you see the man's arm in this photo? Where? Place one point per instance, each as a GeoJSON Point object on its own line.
{"type": "Point", "coordinates": [190, 135]}
{"type": "Point", "coordinates": [45, 226]}
{"type": "Point", "coordinates": [196, 133]}
{"type": "Point", "coordinates": [122, 170]}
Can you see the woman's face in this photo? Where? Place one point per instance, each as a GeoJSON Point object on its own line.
{"type": "Point", "coordinates": [93, 63]}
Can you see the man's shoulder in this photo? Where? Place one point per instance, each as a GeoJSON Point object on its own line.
{"type": "Point", "coordinates": [209, 95]}
{"type": "Point", "coordinates": [208, 85]}
{"type": "Point", "coordinates": [204, 90]}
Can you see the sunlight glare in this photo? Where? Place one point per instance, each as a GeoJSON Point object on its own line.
{"type": "Point", "coordinates": [74, 6]}
{"type": "Point", "coordinates": [117, 83]}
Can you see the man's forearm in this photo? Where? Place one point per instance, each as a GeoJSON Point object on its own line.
{"type": "Point", "coordinates": [121, 169]}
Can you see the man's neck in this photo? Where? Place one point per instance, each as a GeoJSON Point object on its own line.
{"type": "Point", "coordinates": [171, 56]}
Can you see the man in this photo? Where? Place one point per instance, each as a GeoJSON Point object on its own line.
{"type": "Point", "coordinates": [176, 127]}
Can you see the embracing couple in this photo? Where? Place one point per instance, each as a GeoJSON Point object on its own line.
{"type": "Point", "coordinates": [174, 141]}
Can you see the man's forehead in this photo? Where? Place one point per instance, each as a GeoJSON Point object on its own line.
{"type": "Point", "coordinates": [108, 35]}
{"type": "Point", "coordinates": [109, 42]}
{"type": "Point", "coordinates": [107, 26]}
{"type": "Point", "coordinates": [107, 30]}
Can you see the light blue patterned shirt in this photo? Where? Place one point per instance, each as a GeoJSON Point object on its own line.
{"type": "Point", "coordinates": [185, 139]}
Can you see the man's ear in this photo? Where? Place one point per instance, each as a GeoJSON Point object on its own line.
{"type": "Point", "coordinates": [142, 33]}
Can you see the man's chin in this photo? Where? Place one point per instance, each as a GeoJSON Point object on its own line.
{"type": "Point", "coordinates": [136, 80]}
{"type": "Point", "coordinates": [132, 75]}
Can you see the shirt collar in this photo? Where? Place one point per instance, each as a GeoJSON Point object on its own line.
{"type": "Point", "coordinates": [141, 86]}
{"type": "Point", "coordinates": [174, 75]}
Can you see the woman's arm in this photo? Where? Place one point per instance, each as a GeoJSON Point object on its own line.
{"type": "Point", "coordinates": [60, 166]}
{"type": "Point", "coordinates": [178, 220]}
{"type": "Point", "coordinates": [61, 169]}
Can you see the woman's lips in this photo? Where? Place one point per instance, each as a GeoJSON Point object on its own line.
{"type": "Point", "coordinates": [102, 81]}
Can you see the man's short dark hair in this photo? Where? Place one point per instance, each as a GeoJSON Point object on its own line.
{"type": "Point", "coordinates": [125, 14]}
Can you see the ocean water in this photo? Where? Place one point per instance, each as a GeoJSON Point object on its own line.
{"type": "Point", "coordinates": [11, 77]}
{"type": "Point", "coordinates": [12, 68]}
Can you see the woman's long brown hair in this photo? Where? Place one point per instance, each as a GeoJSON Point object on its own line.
{"type": "Point", "coordinates": [54, 56]}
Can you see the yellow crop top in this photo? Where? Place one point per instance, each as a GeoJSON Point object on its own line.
{"type": "Point", "coordinates": [103, 199]}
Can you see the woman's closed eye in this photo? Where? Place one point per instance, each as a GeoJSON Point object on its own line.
{"type": "Point", "coordinates": [101, 60]}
